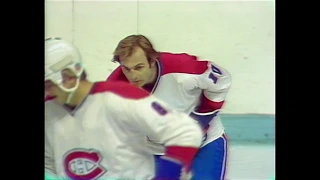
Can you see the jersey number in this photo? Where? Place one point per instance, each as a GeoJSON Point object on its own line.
{"type": "Point", "coordinates": [159, 109]}
{"type": "Point", "coordinates": [212, 76]}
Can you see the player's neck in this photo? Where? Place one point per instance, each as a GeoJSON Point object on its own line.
{"type": "Point", "coordinates": [154, 74]}
{"type": "Point", "coordinates": [81, 93]}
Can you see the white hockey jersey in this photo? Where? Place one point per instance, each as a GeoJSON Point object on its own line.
{"type": "Point", "coordinates": [105, 137]}
{"type": "Point", "coordinates": [188, 84]}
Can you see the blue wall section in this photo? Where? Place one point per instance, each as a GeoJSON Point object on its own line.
{"type": "Point", "coordinates": [249, 128]}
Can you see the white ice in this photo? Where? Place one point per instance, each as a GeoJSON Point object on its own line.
{"type": "Point", "coordinates": [251, 162]}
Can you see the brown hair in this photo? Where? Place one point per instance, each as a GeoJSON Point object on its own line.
{"type": "Point", "coordinates": [83, 76]}
{"type": "Point", "coordinates": [127, 46]}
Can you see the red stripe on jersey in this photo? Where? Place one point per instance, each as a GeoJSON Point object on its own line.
{"type": "Point", "coordinates": [117, 75]}
{"type": "Point", "coordinates": [181, 63]}
{"type": "Point", "coordinates": [208, 105]}
{"type": "Point", "coordinates": [183, 154]}
{"type": "Point", "coordinates": [120, 88]}
{"type": "Point", "coordinates": [48, 98]}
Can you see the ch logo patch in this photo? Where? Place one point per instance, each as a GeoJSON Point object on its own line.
{"type": "Point", "coordinates": [82, 164]}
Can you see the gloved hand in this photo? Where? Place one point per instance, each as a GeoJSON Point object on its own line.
{"type": "Point", "coordinates": [171, 169]}
{"type": "Point", "coordinates": [204, 118]}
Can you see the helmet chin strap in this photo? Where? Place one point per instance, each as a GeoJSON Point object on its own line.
{"type": "Point", "coordinates": [70, 95]}
{"type": "Point", "coordinates": [71, 91]}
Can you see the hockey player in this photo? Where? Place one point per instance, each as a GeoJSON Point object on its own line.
{"type": "Point", "coordinates": [198, 88]}
{"type": "Point", "coordinates": [97, 130]}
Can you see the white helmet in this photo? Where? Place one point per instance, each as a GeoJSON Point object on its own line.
{"type": "Point", "coordinates": [61, 55]}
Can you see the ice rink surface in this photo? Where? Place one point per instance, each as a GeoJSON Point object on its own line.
{"type": "Point", "coordinates": [251, 162]}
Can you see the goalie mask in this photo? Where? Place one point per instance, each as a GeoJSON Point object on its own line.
{"type": "Point", "coordinates": [61, 55]}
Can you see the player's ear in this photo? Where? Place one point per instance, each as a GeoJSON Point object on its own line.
{"type": "Point", "coordinates": [152, 62]}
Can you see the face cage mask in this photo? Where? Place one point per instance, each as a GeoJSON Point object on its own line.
{"type": "Point", "coordinates": [56, 77]}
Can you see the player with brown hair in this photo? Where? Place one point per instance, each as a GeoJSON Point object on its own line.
{"type": "Point", "coordinates": [196, 87]}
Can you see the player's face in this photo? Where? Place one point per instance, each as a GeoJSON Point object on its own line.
{"type": "Point", "coordinates": [52, 89]}
{"type": "Point", "coordinates": [137, 69]}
